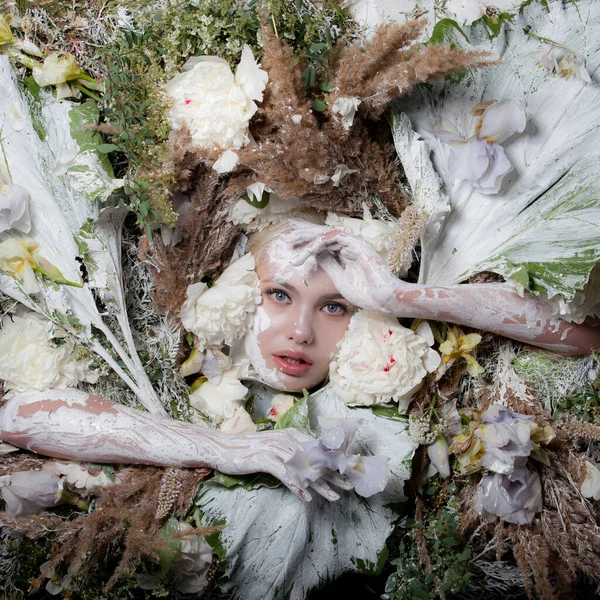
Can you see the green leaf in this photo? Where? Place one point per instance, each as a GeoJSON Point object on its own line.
{"type": "Point", "coordinates": [106, 148]}
{"type": "Point", "coordinates": [326, 86]}
{"type": "Point", "coordinates": [166, 553]}
{"type": "Point", "coordinates": [248, 482]}
{"type": "Point", "coordinates": [309, 76]}
{"type": "Point", "coordinates": [387, 411]}
{"type": "Point", "coordinates": [319, 106]}
{"type": "Point", "coordinates": [444, 31]}
{"type": "Point", "coordinates": [262, 203]}
{"type": "Point", "coordinates": [450, 542]}
{"type": "Point", "coordinates": [296, 417]}
{"type": "Point", "coordinates": [495, 24]}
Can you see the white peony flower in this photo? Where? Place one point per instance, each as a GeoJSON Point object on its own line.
{"type": "Point", "coordinates": [219, 315]}
{"type": "Point", "coordinates": [192, 561]}
{"type": "Point", "coordinates": [29, 360]}
{"type": "Point", "coordinates": [481, 159]}
{"type": "Point", "coordinates": [214, 104]}
{"type": "Point", "coordinates": [379, 360]}
{"type": "Point", "coordinates": [590, 488]}
{"type": "Point", "coordinates": [241, 422]}
{"type": "Point", "coordinates": [280, 403]}
{"type": "Point", "coordinates": [220, 402]}
{"type": "Point", "coordinates": [375, 231]}
{"type": "Point", "coordinates": [14, 207]}
{"type": "Point", "coordinates": [346, 108]}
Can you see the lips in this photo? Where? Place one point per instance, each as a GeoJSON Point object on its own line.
{"type": "Point", "coordinates": [292, 363]}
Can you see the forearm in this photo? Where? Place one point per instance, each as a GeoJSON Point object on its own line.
{"type": "Point", "coordinates": [70, 424]}
{"type": "Point", "coordinates": [499, 309]}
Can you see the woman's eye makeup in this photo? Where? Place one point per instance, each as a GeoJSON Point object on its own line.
{"type": "Point", "coordinates": [335, 308]}
{"type": "Point", "coordinates": [277, 295]}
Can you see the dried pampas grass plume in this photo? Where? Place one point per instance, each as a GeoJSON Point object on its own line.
{"type": "Point", "coordinates": [393, 63]}
{"type": "Point", "coordinates": [409, 228]}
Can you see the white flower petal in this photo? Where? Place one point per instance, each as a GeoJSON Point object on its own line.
{"type": "Point", "coordinates": [469, 161]}
{"type": "Point", "coordinates": [240, 422]}
{"type": "Point", "coordinates": [501, 120]}
{"type": "Point", "coordinates": [250, 77]}
{"type": "Point", "coordinates": [346, 108]}
{"type": "Point", "coordinates": [227, 162]}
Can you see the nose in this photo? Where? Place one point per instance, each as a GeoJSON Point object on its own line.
{"type": "Point", "coordinates": [302, 331]}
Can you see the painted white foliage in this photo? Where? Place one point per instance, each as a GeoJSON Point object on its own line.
{"type": "Point", "coordinates": [543, 227]}
{"type": "Point", "coordinates": [61, 201]}
{"type": "Point", "coordinates": [316, 541]}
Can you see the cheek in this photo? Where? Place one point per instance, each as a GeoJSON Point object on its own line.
{"type": "Point", "coordinates": [334, 331]}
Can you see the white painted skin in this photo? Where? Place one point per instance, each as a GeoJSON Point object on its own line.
{"type": "Point", "coordinates": [364, 279]}
{"type": "Point", "coordinates": [70, 424]}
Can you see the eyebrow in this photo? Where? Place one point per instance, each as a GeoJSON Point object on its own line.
{"type": "Point", "coordinates": [333, 296]}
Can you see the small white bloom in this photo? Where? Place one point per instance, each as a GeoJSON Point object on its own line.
{"type": "Point", "coordinates": [369, 474]}
{"type": "Point", "coordinates": [340, 172]}
{"type": "Point", "coordinates": [256, 219]}
{"type": "Point", "coordinates": [573, 66]}
{"type": "Point", "coordinates": [346, 108]}
{"type": "Point", "coordinates": [481, 159]}
{"type": "Point", "coordinates": [219, 315]}
{"type": "Point", "coordinates": [221, 401]}
{"type": "Point", "coordinates": [29, 360]}
{"type": "Point", "coordinates": [438, 455]}
{"type": "Point", "coordinates": [256, 192]}
{"type": "Point", "coordinates": [241, 422]}
{"type": "Point", "coordinates": [590, 488]}
{"type": "Point", "coordinates": [80, 474]}
{"type": "Point", "coordinates": [57, 68]}
{"type": "Point", "coordinates": [379, 360]}
{"type": "Point", "coordinates": [30, 492]}
{"type": "Point", "coordinates": [226, 163]}
{"type": "Point", "coordinates": [467, 11]}
{"type": "Point", "coordinates": [17, 258]}
{"type": "Point", "coordinates": [280, 403]}
{"type": "Point", "coordinates": [14, 207]}
{"type": "Point", "coordinates": [215, 105]}
{"type": "Point", "coordinates": [375, 231]}
{"type": "Point", "coordinates": [192, 561]}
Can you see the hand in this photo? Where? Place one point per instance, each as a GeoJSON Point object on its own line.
{"type": "Point", "coordinates": [352, 264]}
{"type": "Point", "coordinates": [269, 451]}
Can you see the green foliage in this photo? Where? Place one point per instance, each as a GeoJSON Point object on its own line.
{"type": "Point", "coordinates": [313, 34]}
{"type": "Point", "coordinates": [446, 571]}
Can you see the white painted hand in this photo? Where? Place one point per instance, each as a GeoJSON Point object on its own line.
{"type": "Point", "coordinates": [353, 265]}
{"type": "Point", "coordinates": [268, 452]}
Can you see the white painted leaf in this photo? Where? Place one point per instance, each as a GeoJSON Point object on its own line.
{"type": "Point", "coordinates": [275, 545]}
{"type": "Point", "coordinates": [60, 203]}
{"type": "Point", "coordinates": [543, 227]}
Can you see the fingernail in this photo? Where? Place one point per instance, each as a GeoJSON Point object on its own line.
{"type": "Point", "coordinates": [331, 495]}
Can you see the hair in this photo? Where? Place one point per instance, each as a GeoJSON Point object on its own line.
{"type": "Point", "coordinates": [260, 241]}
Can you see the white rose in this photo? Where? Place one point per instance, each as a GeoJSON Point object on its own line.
{"type": "Point", "coordinates": [215, 104]}
{"type": "Point", "coordinates": [379, 360]}
{"type": "Point", "coordinates": [219, 315]}
{"type": "Point", "coordinates": [192, 560]}
{"type": "Point", "coordinates": [375, 231]}
{"type": "Point", "coordinates": [29, 360]}
{"type": "Point", "coordinates": [280, 403]}
{"type": "Point", "coordinates": [14, 210]}
{"type": "Point", "coordinates": [221, 401]}
{"type": "Point", "coordinates": [241, 422]}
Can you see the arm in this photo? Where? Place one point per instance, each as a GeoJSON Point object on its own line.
{"type": "Point", "coordinates": [71, 424]}
{"type": "Point", "coordinates": [364, 279]}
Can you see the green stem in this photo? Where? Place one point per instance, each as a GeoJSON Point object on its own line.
{"type": "Point", "coordinates": [87, 92]}
{"type": "Point", "coordinates": [549, 41]}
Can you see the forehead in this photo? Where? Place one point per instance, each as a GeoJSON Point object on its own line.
{"type": "Point", "coordinates": [301, 279]}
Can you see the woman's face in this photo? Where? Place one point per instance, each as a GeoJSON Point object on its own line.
{"type": "Point", "coordinates": [299, 322]}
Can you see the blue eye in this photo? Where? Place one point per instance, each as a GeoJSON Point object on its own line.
{"type": "Point", "coordinates": [278, 295]}
{"type": "Point", "coordinates": [333, 308]}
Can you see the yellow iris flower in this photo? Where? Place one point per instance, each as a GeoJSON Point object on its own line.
{"type": "Point", "coordinates": [458, 345]}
